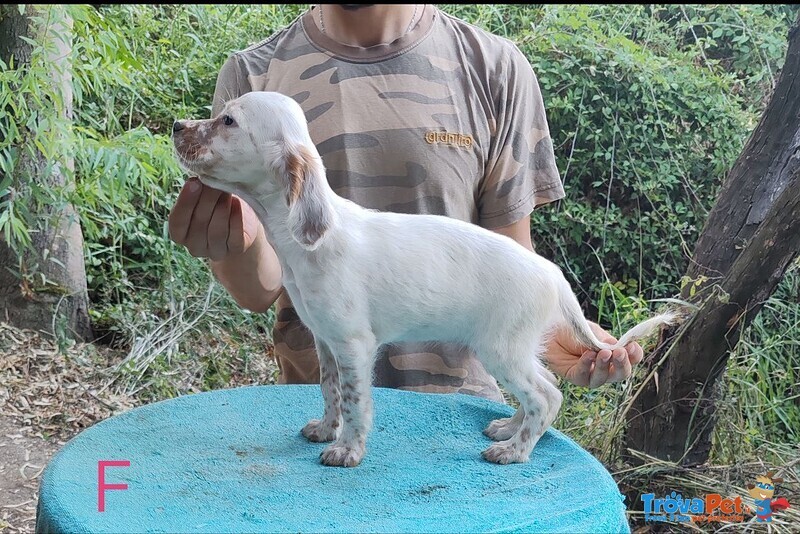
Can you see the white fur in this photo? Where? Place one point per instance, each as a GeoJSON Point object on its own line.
{"type": "Point", "coordinates": [360, 278]}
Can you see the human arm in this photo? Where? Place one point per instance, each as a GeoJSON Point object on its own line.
{"type": "Point", "coordinates": [223, 228]}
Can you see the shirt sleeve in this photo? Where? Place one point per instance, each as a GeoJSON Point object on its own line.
{"type": "Point", "coordinates": [231, 83]}
{"type": "Point", "coordinates": [521, 171]}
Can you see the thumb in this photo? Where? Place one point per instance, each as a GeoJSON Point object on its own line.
{"type": "Point", "coordinates": [250, 222]}
{"type": "Point", "coordinates": [601, 334]}
{"type": "Point", "coordinates": [244, 225]}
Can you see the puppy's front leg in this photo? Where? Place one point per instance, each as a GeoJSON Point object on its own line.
{"type": "Point", "coordinates": [355, 376]}
{"type": "Point", "coordinates": [326, 429]}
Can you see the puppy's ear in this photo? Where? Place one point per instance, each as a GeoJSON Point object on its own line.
{"type": "Point", "coordinates": [310, 212]}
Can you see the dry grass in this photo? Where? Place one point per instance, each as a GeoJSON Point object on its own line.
{"type": "Point", "coordinates": [596, 420]}
{"type": "Point", "coordinates": [46, 397]}
{"type": "Point", "coordinates": [57, 393]}
{"type": "Point", "coordinates": [662, 478]}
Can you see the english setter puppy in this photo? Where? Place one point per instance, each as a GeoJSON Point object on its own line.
{"type": "Point", "coordinates": [361, 278]}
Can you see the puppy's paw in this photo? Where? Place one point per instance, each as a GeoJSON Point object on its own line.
{"type": "Point", "coordinates": [336, 455]}
{"type": "Point", "coordinates": [501, 429]}
{"type": "Point", "coordinates": [320, 431]}
{"type": "Point", "coordinates": [504, 453]}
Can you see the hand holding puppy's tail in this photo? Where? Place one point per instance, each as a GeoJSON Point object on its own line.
{"type": "Point", "coordinates": [573, 316]}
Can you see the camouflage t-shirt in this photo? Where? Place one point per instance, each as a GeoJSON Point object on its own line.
{"type": "Point", "coordinates": [447, 120]}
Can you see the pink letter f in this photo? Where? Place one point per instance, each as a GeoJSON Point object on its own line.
{"type": "Point", "coordinates": [101, 481]}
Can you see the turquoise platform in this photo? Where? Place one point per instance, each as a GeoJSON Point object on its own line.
{"type": "Point", "coordinates": [234, 461]}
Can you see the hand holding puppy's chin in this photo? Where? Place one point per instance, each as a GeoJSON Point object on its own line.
{"type": "Point", "coordinates": [211, 223]}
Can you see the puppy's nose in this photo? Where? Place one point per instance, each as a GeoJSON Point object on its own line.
{"type": "Point", "coordinates": [177, 126]}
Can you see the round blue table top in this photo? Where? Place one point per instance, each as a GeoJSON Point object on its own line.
{"type": "Point", "coordinates": [234, 461]}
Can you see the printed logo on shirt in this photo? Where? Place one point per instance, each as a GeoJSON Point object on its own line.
{"type": "Point", "coordinates": [457, 140]}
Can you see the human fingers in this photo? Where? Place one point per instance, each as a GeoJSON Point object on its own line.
{"type": "Point", "coordinates": [219, 228]}
{"type": "Point", "coordinates": [635, 352]}
{"type": "Point", "coordinates": [244, 226]}
{"type": "Point", "coordinates": [601, 369]}
{"type": "Point", "coordinates": [581, 373]}
{"type": "Point", "coordinates": [197, 235]}
{"type": "Point", "coordinates": [621, 366]}
{"type": "Point", "coordinates": [601, 334]}
{"type": "Point", "coordinates": [236, 238]}
{"type": "Point", "coordinates": [181, 214]}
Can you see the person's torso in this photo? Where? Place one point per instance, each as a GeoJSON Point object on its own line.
{"type": "Point", "coordinates": [405, 128]}
{"type": "Point", "coordinates": [402, 127]}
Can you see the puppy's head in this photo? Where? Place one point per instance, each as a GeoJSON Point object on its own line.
{"type": "Point", "coordinates": [246, 144]}
{"type": "Point", "coordinates": [257, 147]}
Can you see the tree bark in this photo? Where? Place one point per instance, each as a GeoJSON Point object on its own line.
{"type": "Point", "coordinates": [13, 24]}
{"type": "Point", "coordinates": [750, 238]}
{"type": "Point", "coordinates": [44, 287]}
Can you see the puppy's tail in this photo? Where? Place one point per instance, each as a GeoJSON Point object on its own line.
{"type": "Point", "coordinates": [573, 316]}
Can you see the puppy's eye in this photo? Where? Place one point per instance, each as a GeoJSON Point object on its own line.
{"type": "Point", "coordinates": [227, 120]}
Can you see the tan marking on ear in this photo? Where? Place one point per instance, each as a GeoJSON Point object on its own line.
{"type": "Point", "coordinates": [296, 169]}
{"type": "Point", "coordinates": [298, 164]}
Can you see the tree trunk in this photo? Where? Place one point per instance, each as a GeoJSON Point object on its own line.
{"type": "Point", "coordinates": [13, 24]}
{"type": "Point", "coordinates": [44, 287]}
{"type": "Point", "coordinates": [749, 240]}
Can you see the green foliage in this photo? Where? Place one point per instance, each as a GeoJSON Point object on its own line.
{"type": "Point", "coordinates": [643, 138]}
{"type": "Point", "coordinates": [648, 106]}
{"type": "Point", "coordinates": [173, 53]}
{"type": "Point", "coordinates": [748, 41]}
{"type": "Point", "coordinates": [762, 399]}
{"type": "Point", "coordinates": [130, 79]}
{"type": "Point", "coordinates": [34, 134]}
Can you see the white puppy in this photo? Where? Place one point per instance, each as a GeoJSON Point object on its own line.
{"type": "Point", "coordinates": [361, 278]}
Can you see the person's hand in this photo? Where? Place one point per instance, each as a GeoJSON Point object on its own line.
{"type": "Point", "coordinates": [583, 367]}
{"type": "Point", "coordinates": [212, 224]}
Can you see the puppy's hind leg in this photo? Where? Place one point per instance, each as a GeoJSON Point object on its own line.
{"type": "Point", "coordinates": [502, 429]}
{"type": "Point", "coordinates": [539, 399]}
{"type": "Point", "coordinates": [326, 429]}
